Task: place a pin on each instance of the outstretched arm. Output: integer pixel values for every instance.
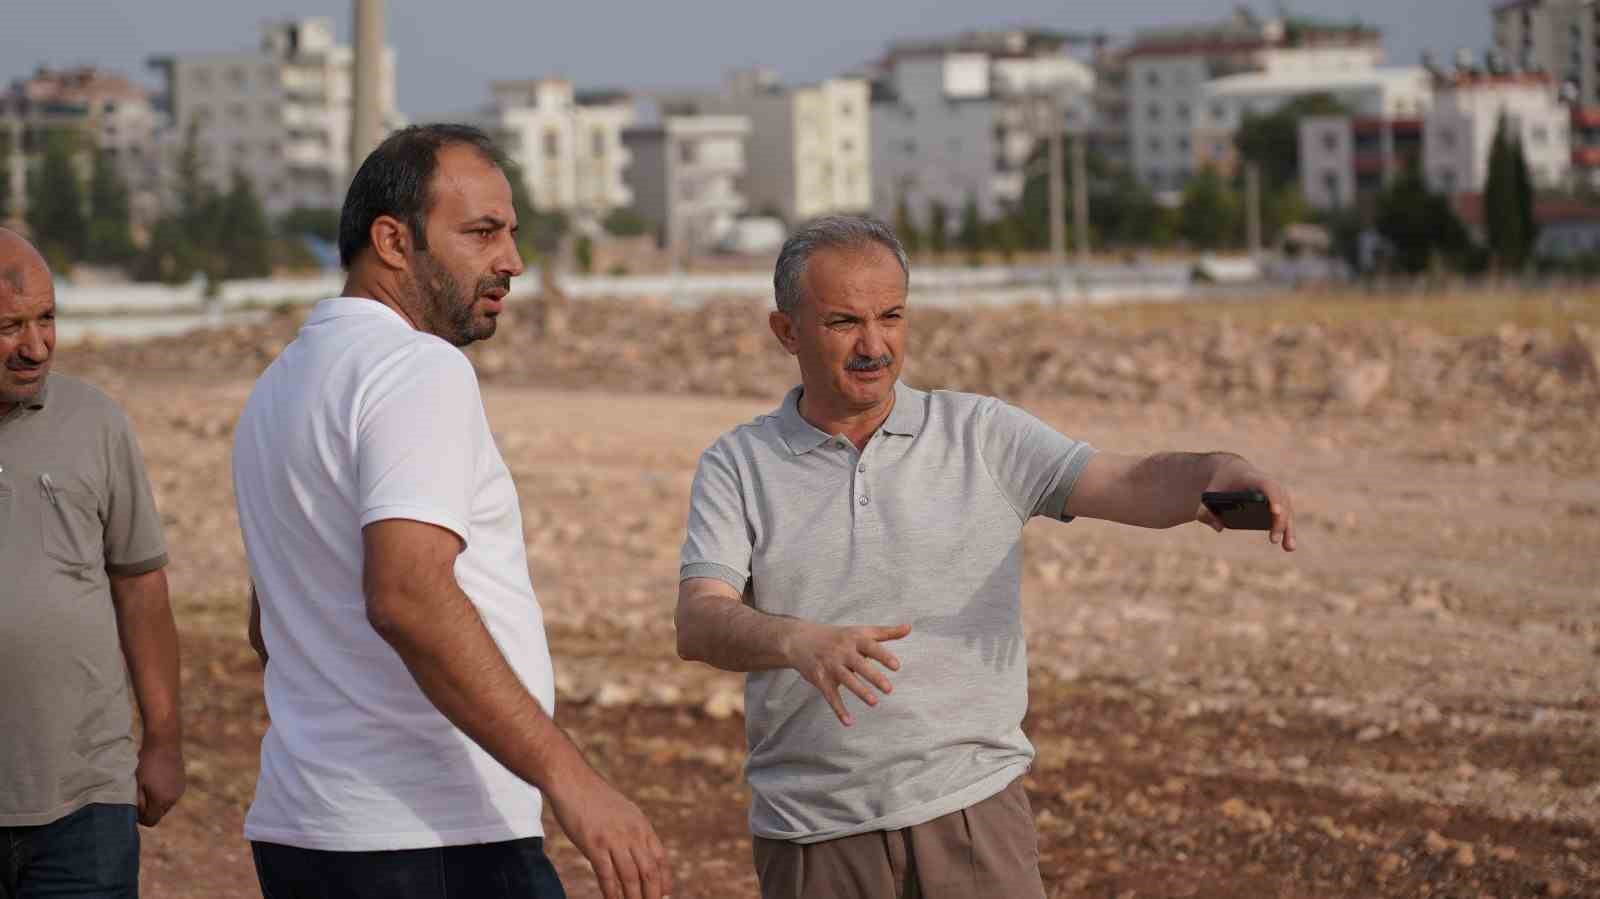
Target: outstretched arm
(716, 627)
(1163, 490)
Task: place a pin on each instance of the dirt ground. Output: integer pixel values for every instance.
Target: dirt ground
(1409, 706)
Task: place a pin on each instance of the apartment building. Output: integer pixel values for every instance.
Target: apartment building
(1346, 160)
(1370, 95)
(568, 144)
(958, 118)
(280, 114)
(685, 176)
(117, 116)
(809, 146)
(1467, 109)
(1558, 37)
(1188, 87)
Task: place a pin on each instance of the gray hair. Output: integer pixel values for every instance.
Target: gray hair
(842, 232)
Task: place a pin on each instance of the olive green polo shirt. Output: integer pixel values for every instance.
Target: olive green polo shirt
(75, 509)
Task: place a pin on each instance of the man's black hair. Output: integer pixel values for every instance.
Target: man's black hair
(394, 181)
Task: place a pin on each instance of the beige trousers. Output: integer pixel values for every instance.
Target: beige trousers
(988, 849)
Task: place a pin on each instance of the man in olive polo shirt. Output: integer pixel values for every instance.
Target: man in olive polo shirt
(862, 514)
(83, 611)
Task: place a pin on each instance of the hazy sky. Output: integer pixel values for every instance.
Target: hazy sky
(449, 51)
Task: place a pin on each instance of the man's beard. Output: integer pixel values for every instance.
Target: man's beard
(447, 307)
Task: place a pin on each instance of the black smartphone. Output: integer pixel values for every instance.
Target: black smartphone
(1243, 510)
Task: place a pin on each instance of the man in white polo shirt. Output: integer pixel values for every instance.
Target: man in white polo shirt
(865, 528)
(407, 674)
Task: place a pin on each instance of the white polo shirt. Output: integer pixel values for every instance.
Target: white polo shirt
(361, 419)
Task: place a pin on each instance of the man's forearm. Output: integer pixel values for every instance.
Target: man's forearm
(458, 666)
(1165, 488)
(725, 633)
(149, 641)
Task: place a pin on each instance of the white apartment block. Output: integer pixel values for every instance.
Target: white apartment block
(1224, 104)
(115, 114)
(1467, 110)
(1346, 160)
(685, 177)
(809, 147)
(1558, 37)
(958, 119)
(567, 144)
(279, 114)
(1187, 88)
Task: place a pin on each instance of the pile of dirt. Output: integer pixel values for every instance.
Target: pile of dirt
(1536, 392)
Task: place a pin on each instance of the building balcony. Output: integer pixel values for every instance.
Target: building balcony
(1585, 117)
(1586, 157)
(1370, 163)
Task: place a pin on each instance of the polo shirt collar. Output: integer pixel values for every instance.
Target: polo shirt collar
(33, 405)
(905, 419)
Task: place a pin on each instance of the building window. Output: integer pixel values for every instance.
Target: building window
(686, 152)
(597, 142)
(1219, 112)
(1538, 134)
(847, 146)
(1447, 180)
(1330, 183)
(1155, 145)
(552, 144)
(1183, 112)
(241, 150)
(845, 108)
(237, 78)
(1154, 112)
(1446, 138)
(1183, 145)
(238, 114)
(1153, 78)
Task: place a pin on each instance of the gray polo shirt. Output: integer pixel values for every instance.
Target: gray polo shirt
(923, 526)
(75, 508)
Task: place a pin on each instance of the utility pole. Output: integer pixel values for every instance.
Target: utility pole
(1058, 205)
(1252, 182)
(1080, 200)
(16, 173)
(366, 112)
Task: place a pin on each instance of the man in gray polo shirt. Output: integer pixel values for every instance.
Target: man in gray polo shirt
(862, 514)
(83, 611)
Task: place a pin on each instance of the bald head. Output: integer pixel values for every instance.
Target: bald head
(27, 320)
(21, 265)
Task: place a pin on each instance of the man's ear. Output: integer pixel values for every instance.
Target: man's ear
(392, 242)
(782, 324)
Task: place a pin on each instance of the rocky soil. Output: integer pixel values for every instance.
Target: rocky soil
(1410, 706)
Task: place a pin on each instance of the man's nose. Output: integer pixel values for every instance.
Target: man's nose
(34, 348)
(871, 343)
(509, 262)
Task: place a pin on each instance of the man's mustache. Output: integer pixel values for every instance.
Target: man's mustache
(869, 363)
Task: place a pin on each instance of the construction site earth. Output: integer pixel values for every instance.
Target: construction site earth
(1408, 706)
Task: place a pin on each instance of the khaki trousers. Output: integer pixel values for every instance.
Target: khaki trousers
(988, 849)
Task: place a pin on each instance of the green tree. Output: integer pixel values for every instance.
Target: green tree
(938, 226)
(1272, 141)
(56, 206)
(110, 216)
(319, 223)
(626, 223)
(971, 234)
(1419, 225)
(244, 239)
(522, 201)
(583, 253)
(5, 175)
(183, 242)
(1121, 210)
(904, 227)
(1508, 203)
(1210, 214)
